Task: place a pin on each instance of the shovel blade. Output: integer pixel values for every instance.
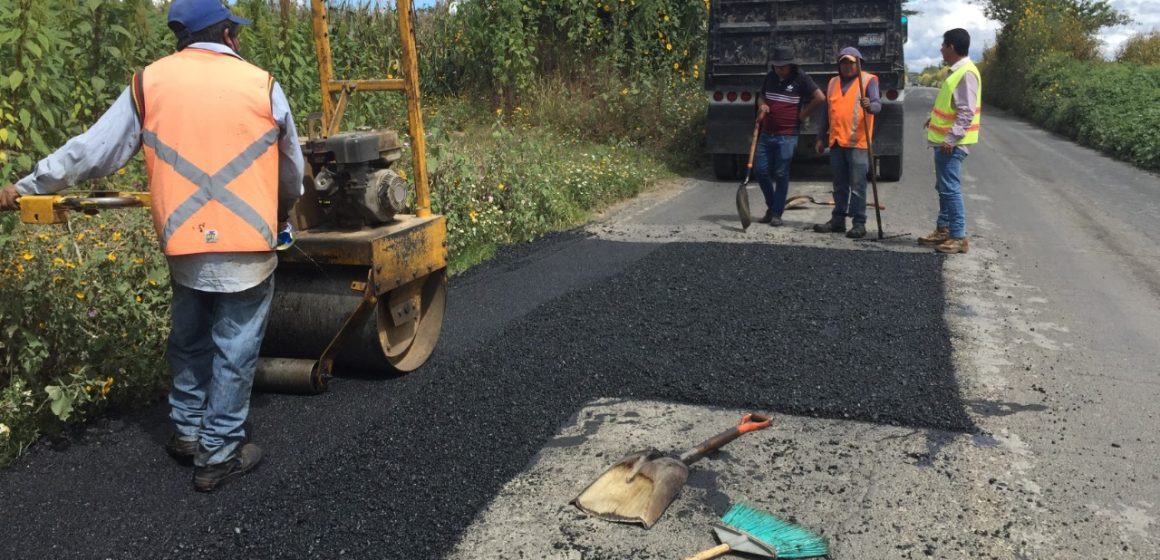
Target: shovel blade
(743, 205)
(638, 489)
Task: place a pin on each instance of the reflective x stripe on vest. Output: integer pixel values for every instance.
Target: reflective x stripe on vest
(211, 149)
(943, 114)
(212, 187)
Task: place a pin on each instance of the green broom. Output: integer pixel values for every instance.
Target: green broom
(745, 529)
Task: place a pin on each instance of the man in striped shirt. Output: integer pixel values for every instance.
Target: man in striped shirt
(787, 99)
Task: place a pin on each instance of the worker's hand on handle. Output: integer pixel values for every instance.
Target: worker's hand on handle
(762, 110)
(866, 102)
(9, 197)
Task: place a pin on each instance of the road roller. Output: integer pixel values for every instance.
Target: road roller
(364, 285)
(362, 288)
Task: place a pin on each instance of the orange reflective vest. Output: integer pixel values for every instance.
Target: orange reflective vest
(211, 151)
(847, 126)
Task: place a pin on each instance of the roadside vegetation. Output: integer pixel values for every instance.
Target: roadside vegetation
(537, 114)
(1046, 66)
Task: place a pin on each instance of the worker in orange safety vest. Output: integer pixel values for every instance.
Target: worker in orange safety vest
(225, 168)
(846, 130)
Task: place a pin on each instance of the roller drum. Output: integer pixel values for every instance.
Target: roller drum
(312, 303)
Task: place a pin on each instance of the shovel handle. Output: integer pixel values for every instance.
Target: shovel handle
(714, 552)
(749, 423)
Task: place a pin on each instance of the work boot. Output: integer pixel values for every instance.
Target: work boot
(936, 237)
(182, 450)
(835, 225)
(775, 221)
(206, 479)
(857, 232)
(766, 218)
(952, 246)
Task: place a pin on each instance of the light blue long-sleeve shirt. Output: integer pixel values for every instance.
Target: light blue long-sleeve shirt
(116, 137)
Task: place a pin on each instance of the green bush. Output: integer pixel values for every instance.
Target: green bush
(1113, 107)
(1141, 48)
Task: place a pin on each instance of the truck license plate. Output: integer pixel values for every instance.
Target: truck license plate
(872, 40)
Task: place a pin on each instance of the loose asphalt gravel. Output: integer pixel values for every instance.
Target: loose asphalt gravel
(398, 468)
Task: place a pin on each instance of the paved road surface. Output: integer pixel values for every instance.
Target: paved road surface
(999, 404)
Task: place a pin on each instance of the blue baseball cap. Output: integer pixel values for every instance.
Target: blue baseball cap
(851, 53)
(191, 16)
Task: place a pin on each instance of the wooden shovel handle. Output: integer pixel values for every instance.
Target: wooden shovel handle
(710, 553)
(753, 144)
(749, 422)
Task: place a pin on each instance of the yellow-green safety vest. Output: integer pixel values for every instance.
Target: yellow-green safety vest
(942, 116)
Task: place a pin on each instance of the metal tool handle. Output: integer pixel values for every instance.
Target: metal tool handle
(870, 155)
(749, 423)
(714, 552)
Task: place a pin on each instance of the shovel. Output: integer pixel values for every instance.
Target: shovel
(742, 192)
(640, 487)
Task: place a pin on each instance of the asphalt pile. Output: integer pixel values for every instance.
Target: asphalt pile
(398, 468)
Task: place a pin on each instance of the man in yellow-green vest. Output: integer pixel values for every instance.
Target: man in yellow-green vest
(952, 127)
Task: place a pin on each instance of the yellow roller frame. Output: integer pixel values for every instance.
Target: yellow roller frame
(53, 209)
(336, 93)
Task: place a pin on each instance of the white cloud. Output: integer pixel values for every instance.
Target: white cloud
(937, 16)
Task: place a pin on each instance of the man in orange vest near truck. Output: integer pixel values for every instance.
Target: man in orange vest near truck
(953, 125)
(225, 168)
(846, 130)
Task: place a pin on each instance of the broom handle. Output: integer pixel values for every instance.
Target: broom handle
(711, 553)
(749, 423)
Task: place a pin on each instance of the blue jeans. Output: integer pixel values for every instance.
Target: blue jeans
(850, 166)
(213, 353)
(772, 164)
(952, 214)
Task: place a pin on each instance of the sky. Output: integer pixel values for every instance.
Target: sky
(937, 16)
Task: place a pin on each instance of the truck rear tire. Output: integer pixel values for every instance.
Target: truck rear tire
(890, 168)
(725, 166)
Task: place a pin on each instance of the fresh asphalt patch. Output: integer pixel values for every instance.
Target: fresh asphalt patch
(400, 468)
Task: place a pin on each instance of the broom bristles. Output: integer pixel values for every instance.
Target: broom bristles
(790, 541)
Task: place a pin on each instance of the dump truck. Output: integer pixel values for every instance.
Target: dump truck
(742, 38)
(363, 287)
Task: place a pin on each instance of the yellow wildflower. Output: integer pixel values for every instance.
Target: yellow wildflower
(121, 171)
(81, 296)
(4, 431)
(501, 187)
(472, 215)
(20, 269)
(668, 46)
(116, 235)
(676, 66)
(106, 386)
(112, 257)
(57, 261)
(28, 256)
(81, 236)
(138, 260)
